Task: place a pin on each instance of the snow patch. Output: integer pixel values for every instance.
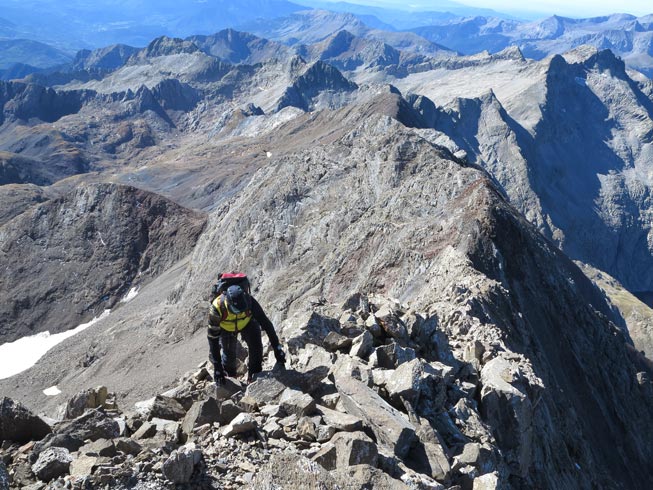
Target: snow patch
(52, 391)
(18, 356)
(133, 292)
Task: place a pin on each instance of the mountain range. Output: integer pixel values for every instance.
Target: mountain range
(456, 241)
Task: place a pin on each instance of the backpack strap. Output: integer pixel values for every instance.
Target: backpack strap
(223, 307)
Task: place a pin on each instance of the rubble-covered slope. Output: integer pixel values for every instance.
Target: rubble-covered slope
(66, 260)
(384, 211)
(497, 340)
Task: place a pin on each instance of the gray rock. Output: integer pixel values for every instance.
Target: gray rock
(18, 424)
(391, 355)
(297, 403)
(489, 481)
(389, 426)
(508, 410)
(52, 463)
(273, 429)
(335, 342)
(166, 408)
(391, 323)
(339, 420)
(354, 448)
(308, 328)
(474, 454)
(307, 428)
(362, 346)
(272, 411)
(80, 402)
(202, 412)
(179, 467)
(145, 431)
(128, 446)
(101, 447)
(244, 422)
(292, 472)
(325, 433)
(265, 390)
(228, 411)
(92, 425)
(429, 455)
(417, 381)
(366, 476)
(170, 428)
(83, 466)
(327, 457)
(228, 389)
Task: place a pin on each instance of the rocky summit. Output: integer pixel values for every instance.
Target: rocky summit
(449, 248)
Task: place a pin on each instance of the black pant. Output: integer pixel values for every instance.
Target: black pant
(251, 334)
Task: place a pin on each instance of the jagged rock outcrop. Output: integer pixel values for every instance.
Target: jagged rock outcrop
(316, 79)
(109, 58)
(68, 259)
(240, 47)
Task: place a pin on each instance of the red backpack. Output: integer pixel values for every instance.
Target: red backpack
(226, 279)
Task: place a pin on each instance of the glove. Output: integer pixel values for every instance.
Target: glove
(280, 355)
(219, 378)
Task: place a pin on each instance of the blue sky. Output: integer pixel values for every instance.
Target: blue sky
(572, 8)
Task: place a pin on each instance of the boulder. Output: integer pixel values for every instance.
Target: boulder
(489, 481)
(506, 407)
(390, 323)
(292, 472)
(307, 428)
(327, 457)
(308, 328)
(128, 446)
(166, 408)
(179, 466)
(417, 381)
(170, 428)
(101, 447)
(230, 387)
(52, 463)
(325, 433)
(428, 454)
(83, 466)
(335, 342)
(145, 431)
(391, 355)
(367, 476)
(202, 412)
(92, 425)
(474, 454)
(244, 422)
(390, 427)
(89, 399)
(362, 346)
(340, 421)
(296, 402)
(273, 429)
(354, 448)
(265, 390)
(18, 424)
(229, 410)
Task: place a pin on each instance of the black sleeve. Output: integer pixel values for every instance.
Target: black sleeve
(213, 336)
(260, 316)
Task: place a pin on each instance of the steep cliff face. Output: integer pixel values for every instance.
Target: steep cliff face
(66, 260)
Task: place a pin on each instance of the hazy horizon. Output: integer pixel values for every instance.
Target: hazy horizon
(577, 8)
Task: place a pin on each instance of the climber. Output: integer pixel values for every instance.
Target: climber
(232, 312)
